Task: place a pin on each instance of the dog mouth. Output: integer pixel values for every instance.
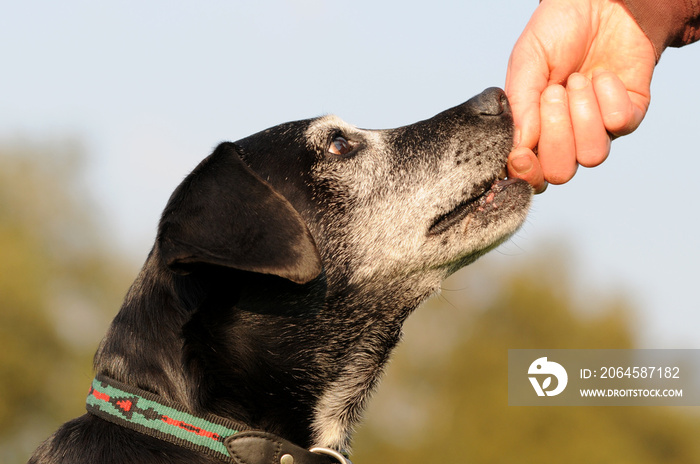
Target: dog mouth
(483, 200)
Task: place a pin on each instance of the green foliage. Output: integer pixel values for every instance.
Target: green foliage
(445, 398)
(58, 289)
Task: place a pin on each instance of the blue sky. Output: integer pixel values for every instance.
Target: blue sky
(152, 87)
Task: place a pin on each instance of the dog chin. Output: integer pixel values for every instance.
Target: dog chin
(486, 223)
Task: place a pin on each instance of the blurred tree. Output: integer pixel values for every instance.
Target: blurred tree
(445, 398)
(58, 290)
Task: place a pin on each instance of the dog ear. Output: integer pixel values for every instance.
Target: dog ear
(224, 214)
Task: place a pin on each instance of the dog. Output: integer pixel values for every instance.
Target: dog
(283, 269)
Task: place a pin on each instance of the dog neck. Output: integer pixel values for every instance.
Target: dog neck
(298, 361)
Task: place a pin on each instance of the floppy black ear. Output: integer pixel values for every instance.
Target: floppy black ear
(224, 214)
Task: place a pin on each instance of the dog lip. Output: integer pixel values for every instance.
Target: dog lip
(477, 202)
(459, 212)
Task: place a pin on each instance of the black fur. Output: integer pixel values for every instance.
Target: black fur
(281, 275)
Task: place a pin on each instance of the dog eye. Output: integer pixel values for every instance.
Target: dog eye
(340, 146)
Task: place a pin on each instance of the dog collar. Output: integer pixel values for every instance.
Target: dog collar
(215, 436)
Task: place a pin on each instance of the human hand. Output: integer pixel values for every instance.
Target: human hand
(578, 76)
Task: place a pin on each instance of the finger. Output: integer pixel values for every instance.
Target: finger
(526, 78)
(592, 142)
(556, 148)
(620, 115)
(523, 164)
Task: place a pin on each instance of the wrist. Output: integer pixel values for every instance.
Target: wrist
(665, 22)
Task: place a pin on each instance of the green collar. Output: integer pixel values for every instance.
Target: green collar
(152, 415)
(215, 436)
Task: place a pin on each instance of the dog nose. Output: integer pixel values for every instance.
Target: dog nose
(491, 102)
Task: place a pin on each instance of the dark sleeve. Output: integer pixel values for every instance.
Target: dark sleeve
(667, 23)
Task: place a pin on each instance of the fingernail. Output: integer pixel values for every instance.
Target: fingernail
(521, 164)
(554, 94)
(577, 82)
(516, 137)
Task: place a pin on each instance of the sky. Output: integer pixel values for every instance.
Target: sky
(151, 87)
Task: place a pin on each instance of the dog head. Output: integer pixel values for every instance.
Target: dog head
(364, 205)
